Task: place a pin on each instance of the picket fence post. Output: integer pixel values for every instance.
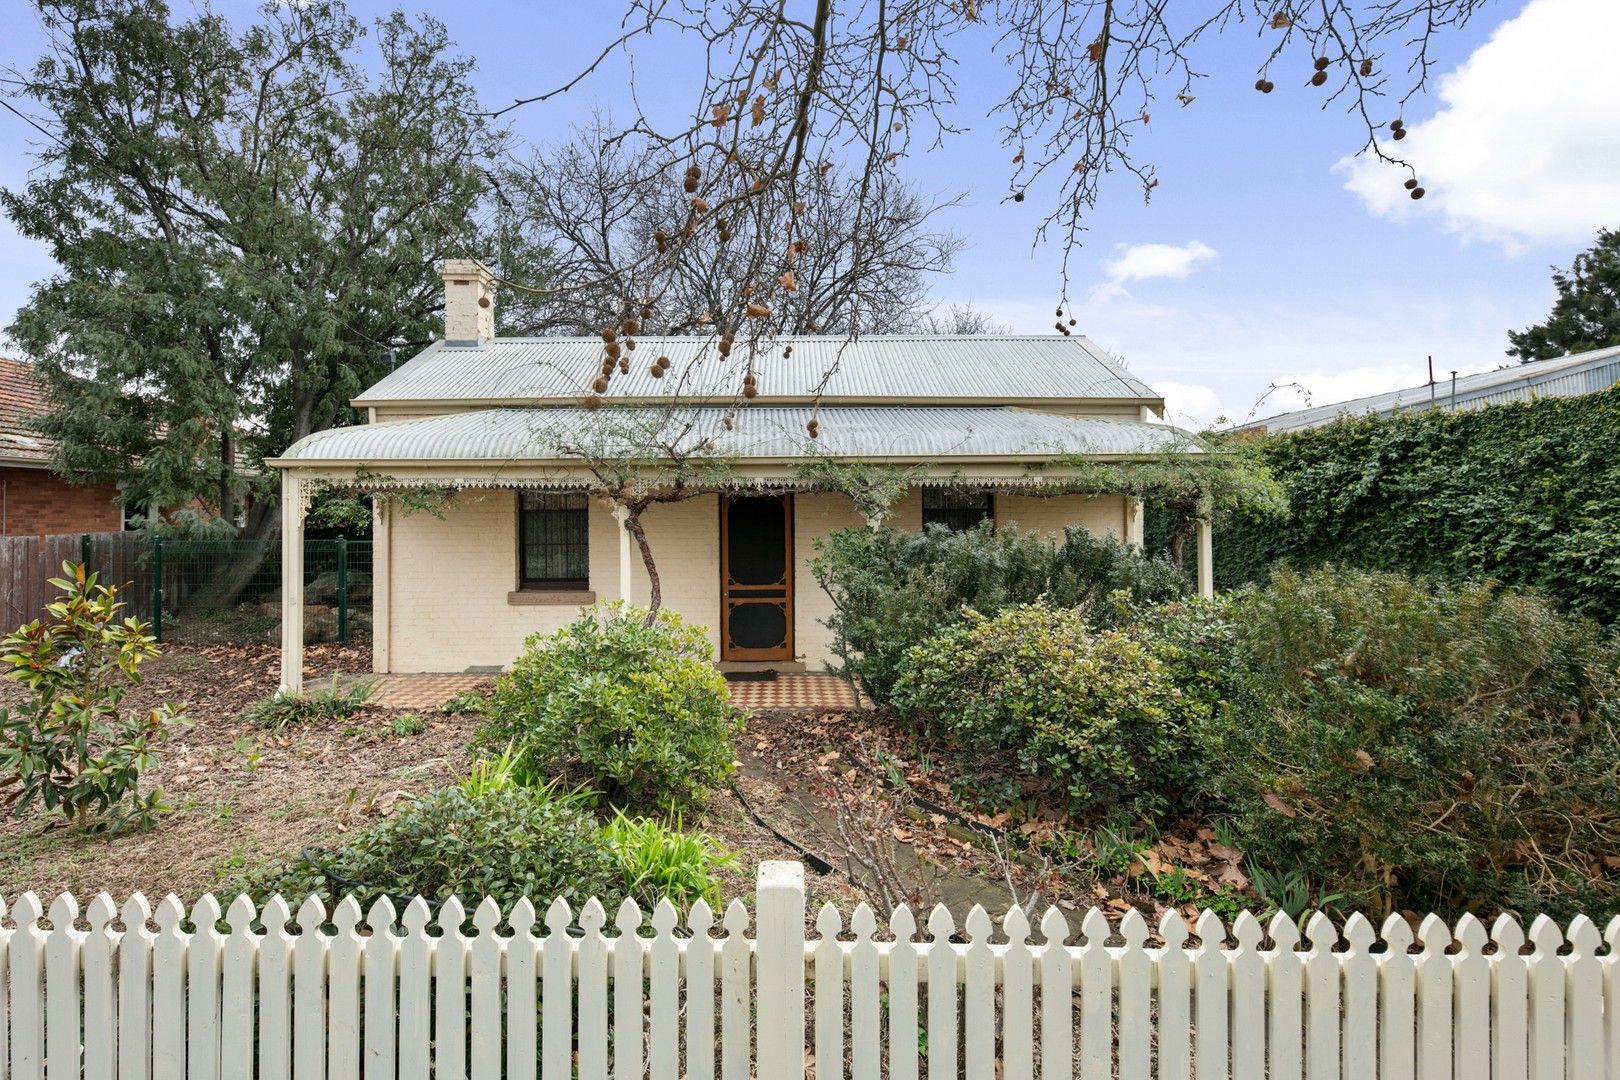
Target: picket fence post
(779, 969)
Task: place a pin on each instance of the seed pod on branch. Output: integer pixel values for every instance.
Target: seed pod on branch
(1322, 62)
(787, 281)
(1366, 68)
(1319, 78)
(700, 205)
(758, 311)
(591, 402)
(599, 385)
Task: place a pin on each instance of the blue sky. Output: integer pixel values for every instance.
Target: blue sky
(1265, 257)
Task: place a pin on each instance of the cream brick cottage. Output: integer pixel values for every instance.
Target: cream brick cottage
(982, 427)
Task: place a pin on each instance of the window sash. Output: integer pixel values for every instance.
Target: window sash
(955, 509)
(553, 539)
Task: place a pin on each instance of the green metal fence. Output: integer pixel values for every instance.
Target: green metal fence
(206, 591)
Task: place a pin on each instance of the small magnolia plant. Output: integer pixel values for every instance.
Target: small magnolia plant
(70, 747)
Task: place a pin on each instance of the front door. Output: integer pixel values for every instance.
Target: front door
(756, 577)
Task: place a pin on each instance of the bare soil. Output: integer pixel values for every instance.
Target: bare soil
(243, 796)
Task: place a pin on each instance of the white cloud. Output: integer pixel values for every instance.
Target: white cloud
(1526, 145)
(1136, 262)
(1190, 405)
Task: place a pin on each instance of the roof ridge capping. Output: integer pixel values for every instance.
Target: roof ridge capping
(902, 368)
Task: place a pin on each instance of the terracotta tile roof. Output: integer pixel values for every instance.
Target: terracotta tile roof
(22, 399)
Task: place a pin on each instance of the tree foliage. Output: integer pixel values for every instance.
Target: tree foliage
(244, 224)
(1586, 314)
(1525, 493)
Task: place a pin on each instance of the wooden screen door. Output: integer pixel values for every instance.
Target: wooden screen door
(756, 577)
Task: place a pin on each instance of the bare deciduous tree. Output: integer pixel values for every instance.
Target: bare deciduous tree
(596, 202)
(783, 92)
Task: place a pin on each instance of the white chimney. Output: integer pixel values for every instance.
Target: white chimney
(469, 302)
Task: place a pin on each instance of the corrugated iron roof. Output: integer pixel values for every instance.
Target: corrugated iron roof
(1565, 376)
(947, 369)
(759, 432)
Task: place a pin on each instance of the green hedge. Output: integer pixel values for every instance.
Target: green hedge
(1525, 493)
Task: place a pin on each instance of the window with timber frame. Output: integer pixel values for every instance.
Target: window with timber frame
(956, 509)
(554, 540)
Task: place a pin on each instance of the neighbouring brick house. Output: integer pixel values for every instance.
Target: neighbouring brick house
(34, 501)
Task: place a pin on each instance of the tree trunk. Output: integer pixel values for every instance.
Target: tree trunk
(1179, 535)
(226, 584)
(655, 592)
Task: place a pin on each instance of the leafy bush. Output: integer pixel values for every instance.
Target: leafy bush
(503, 840)
(658, 860)
(1525, 493)
(638, 710)
(1424, 746)
(1091, 717)
(280, 711)
(70, 747)
(463, 701)
(893, 590)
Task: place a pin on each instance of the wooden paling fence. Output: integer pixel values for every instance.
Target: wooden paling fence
(314, 994)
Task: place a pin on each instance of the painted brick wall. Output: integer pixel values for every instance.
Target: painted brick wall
(37, 502)
(1103, 514)
(449, 604)
(452, 578)
(815, 514)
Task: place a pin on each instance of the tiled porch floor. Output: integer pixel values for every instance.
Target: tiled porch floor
(791, 691)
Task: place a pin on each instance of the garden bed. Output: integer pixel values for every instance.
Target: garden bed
(243, 797)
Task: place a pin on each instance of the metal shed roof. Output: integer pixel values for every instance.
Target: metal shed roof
(946, 369)
(1566, 376)
(758, 432)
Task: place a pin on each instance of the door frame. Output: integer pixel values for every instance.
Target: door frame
(786, 652)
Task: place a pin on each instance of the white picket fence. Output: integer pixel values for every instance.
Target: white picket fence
(374, 996)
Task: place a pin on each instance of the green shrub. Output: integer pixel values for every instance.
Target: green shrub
(504, 841)
(280, 711)
(658, 860)
(463, 701)
(638, 711)
(406, 725)
(893, 590)
(1089, 717)
(1422, 746)
(69, 747)
(1525, 493)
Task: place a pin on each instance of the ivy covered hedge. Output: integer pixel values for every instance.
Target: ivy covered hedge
(1525, 493)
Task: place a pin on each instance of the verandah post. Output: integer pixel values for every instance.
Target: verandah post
(779, 969)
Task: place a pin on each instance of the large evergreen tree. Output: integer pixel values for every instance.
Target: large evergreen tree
(245, 225)
(1586, 314)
